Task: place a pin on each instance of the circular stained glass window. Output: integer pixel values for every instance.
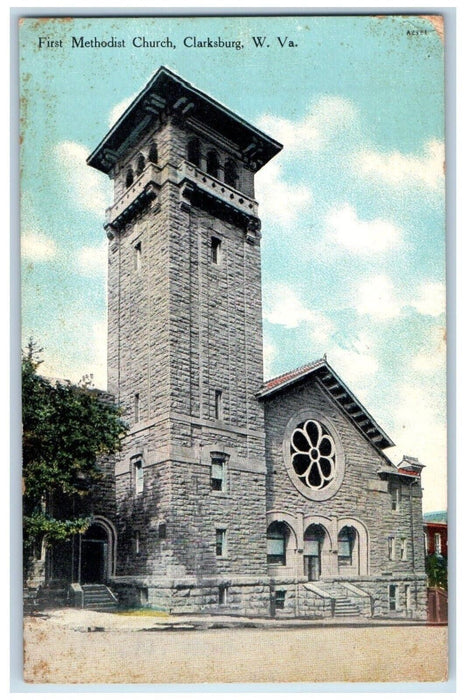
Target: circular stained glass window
(313, 455)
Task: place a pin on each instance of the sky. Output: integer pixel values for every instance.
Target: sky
(352, 209)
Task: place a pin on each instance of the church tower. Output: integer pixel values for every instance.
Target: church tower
(185, 347)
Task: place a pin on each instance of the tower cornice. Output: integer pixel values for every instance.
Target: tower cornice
(167, 93)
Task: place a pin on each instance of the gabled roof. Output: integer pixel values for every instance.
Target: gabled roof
(338, 391)
(166, 90)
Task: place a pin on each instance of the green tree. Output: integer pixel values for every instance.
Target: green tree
(66, 429)
(437, 571)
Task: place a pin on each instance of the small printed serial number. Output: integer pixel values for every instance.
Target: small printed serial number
(416, 32)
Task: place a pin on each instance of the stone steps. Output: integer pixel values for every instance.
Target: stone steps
(99, 597)
(345, 608)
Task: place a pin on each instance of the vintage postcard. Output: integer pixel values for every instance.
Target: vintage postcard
(234, 360)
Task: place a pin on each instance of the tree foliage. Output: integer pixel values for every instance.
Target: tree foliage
(437, 571)
(66, 428)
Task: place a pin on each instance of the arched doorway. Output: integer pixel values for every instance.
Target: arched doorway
(314, 538)
(94, 555)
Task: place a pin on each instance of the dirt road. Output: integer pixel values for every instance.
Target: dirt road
(56, 654)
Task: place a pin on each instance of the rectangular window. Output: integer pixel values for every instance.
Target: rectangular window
(218, 412)
(136, 408)
(437, 543)
(403, 550)
(408, 596)
(217, 474)
(391, 548)
(393, 597)
(220, 542)
(162, 531)
(426, 544)
(138, 472)
(137, 256)
(222, 595)
(137, 542)
(215, 248)
(395, 494)
(280, 600)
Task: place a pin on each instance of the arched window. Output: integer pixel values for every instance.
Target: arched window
(231, 174)
(141, 164)
(194, 152)
(277, 537)
(129, 177)
(346, 540)
(212, 163)
(153, 153)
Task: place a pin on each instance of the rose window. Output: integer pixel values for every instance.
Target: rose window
(313, 455)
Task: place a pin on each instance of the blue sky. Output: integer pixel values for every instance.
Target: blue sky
(352, 209)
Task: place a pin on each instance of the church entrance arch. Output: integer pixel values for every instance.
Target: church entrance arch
(97, 552)
(314, 539)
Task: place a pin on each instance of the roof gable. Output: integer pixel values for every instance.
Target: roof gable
(334, 386)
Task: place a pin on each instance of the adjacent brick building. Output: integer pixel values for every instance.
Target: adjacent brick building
(231, 494)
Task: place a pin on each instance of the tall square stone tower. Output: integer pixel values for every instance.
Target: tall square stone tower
(185, 345)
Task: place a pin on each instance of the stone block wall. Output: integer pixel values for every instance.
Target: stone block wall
(362, 495)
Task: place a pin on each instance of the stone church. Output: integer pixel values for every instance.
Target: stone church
(231, 495)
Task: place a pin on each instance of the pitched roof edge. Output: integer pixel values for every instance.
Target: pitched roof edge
(288, 379)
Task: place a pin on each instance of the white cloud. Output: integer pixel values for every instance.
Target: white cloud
(430, 300)
(279, 200)
(92, 260)
(118, 109)
(432, 357)
(37, 247)
(88, 188)
(327, 117)
(400, 170)
(284, 308)
(270, 353)
(344, 228)
(356, 363)
(375, 297)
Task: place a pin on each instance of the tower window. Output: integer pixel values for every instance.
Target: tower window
(129, 177)
(393, 602)
(218, 404)
(217, 474)
(141, 164)
(220, 542)
(137, 256)
(231, 174)
(138, 475)
(212, 164)
(194, 152)
(162, 531)
(153, 153)
(403, 550)
(137, 542)
(136, 408)
(408, 601)
(391, 548)
(222, 595)
(215, 248)
(395, 498)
